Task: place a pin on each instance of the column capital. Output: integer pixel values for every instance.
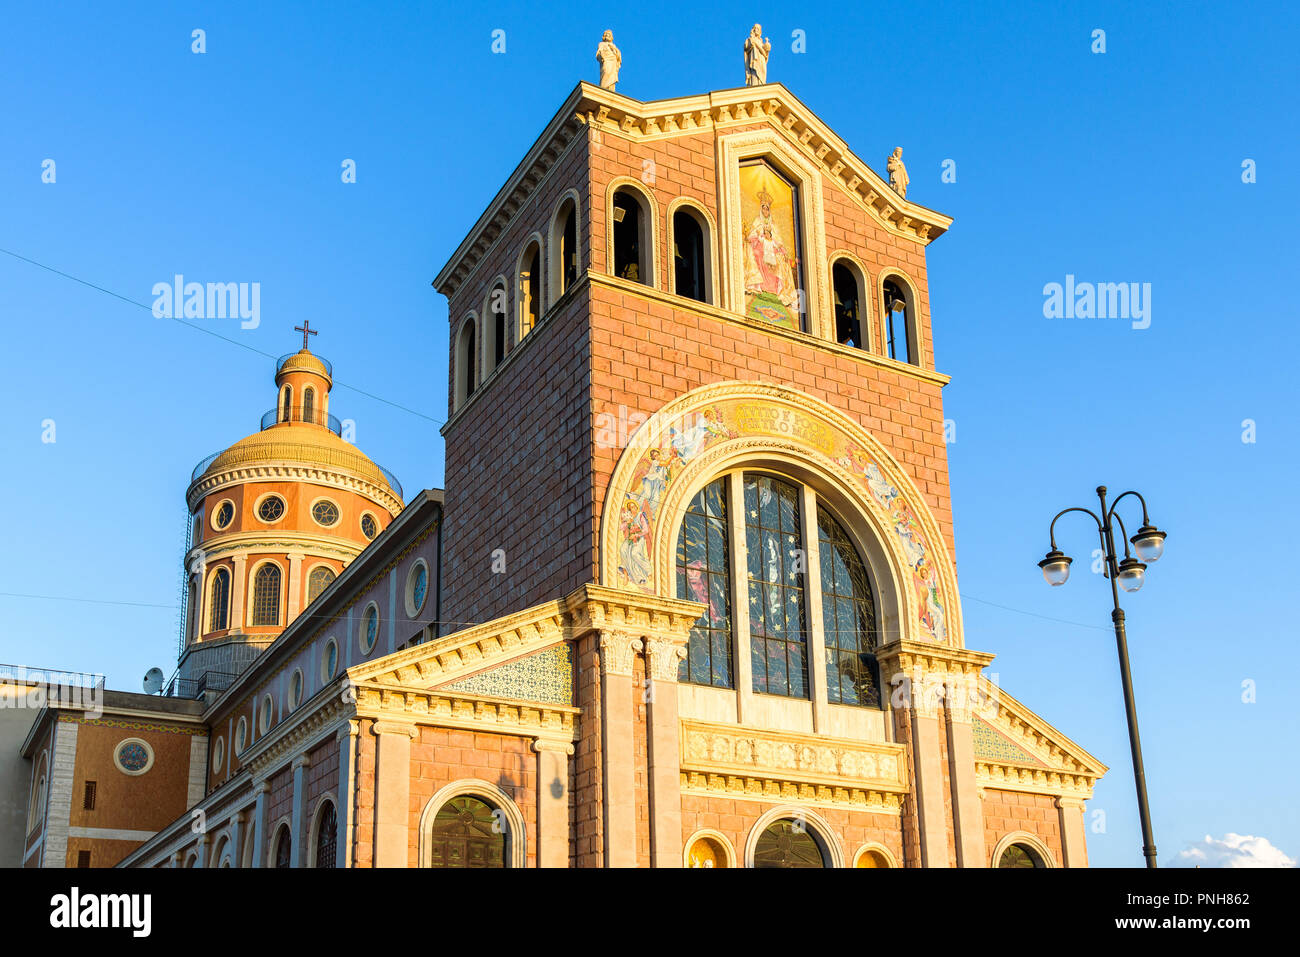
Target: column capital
(662, 656)
(349, 729)
(618, 650)
(1064, 802)
(560, 747)
(302, 761)
(394, 727)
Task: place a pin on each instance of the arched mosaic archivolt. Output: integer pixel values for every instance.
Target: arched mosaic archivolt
(726, 425)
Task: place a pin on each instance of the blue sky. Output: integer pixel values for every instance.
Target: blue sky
(1124, 166)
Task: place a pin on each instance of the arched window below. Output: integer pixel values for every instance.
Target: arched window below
(318, 581)
(309, 405)
(467, 832)
(690, 256)
(899, 319)
(848, 306)
(631, 239)
(1020, 855)
(219, 617)
(327, 828)
(529, 293)
(286, 404)
(266, 595)
(563, 249)
(789, 843)
(283, 847)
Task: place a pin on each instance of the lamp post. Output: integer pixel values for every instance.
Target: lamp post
(1129, 574)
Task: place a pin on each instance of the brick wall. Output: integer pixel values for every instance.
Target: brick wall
(1008, 811)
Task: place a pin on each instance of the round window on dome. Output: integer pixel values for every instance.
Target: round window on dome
(369, 527)
(224, 515)
(325, 513)
(271, 509)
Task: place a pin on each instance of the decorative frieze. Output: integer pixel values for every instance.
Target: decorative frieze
(792, 758)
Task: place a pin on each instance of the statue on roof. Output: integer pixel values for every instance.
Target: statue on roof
(610, 59)
(897, 172)
(757, 50)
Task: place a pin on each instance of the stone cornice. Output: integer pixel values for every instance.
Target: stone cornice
(1016, 777)
(470, 649)
(445, 709)
(209, 483)
(595, 607)
(314, 722)
(598, 109)
(760, 788)
(1036, 736)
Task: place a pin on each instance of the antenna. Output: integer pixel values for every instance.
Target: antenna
(153, 681)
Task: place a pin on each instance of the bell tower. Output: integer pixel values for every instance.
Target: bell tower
(274, 519)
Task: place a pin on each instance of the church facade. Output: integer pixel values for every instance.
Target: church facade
(688, 598)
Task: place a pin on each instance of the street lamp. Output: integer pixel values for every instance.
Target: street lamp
(1129, 574)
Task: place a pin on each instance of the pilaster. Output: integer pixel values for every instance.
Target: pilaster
(663, 738)
(552, 802)
(392, 792)
(1074, 849)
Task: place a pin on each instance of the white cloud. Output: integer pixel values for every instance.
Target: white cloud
(1233, 850)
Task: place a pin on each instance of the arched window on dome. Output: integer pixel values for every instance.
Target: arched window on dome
(309, 405)
(286, 405)
(219, 601)
(266, 595)
(318, 581)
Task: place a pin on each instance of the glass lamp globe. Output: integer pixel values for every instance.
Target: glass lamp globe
(1056, 567)
(1132, 574)
(1149, 543)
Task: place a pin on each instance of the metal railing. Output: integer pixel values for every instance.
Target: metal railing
(179, 687)
(279, 363)
(295, 415)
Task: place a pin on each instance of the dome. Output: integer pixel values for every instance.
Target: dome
(303, 444)
(303, 361)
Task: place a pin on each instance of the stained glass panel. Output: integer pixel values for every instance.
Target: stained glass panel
(703, 575)
(848, 618)
(777, 622)
(467, 832)
(788, 843)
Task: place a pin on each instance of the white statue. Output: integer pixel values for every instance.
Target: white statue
(757, 48)
(897, 172)
(610, 59)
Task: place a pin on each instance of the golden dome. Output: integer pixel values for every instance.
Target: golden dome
(304, 361)
(300, 443)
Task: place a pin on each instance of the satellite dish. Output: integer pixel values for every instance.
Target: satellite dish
(153, 681)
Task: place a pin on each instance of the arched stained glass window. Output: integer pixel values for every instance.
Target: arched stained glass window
(777, 620)
(848, 617)
(788, 843)
(266, 595)
(1020, 855)
(284, 848)
(219, 617)
(318, 581)
(703, 575)
(309, 405)
(468, 832)
(327, 830)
